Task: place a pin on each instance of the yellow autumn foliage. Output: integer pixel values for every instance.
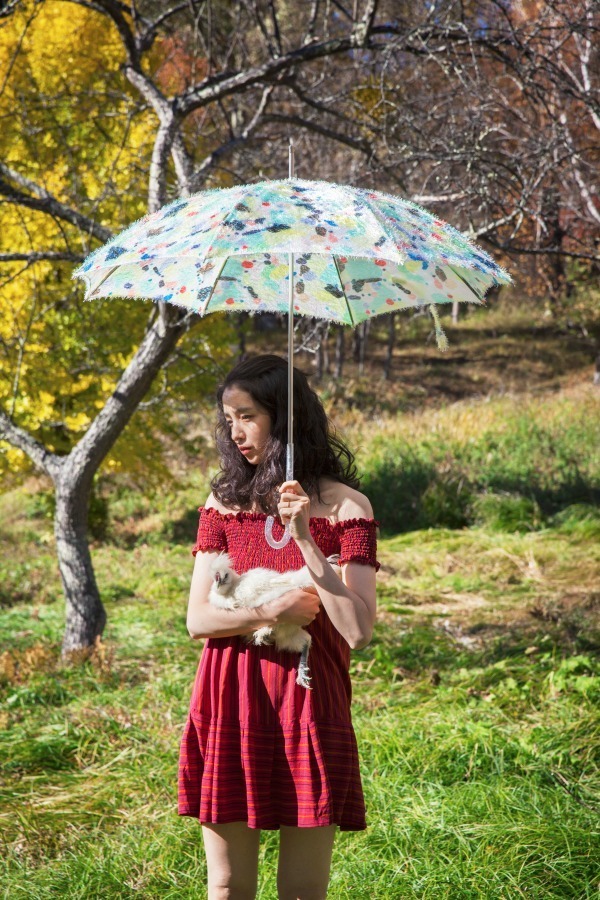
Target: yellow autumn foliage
(75, 127)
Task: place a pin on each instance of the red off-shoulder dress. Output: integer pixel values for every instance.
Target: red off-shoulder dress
(257, 747)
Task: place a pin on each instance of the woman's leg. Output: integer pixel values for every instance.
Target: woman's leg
(232, 860)
(304, 862)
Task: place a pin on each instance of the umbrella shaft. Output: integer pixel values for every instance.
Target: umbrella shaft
(289, 466)
(290, 445)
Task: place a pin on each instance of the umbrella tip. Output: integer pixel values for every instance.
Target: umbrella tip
(442, 340)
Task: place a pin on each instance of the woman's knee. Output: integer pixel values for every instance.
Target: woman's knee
(304, 862)
(305, 890)
(232, 861)
(227, 888)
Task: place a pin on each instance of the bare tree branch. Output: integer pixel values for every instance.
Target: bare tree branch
(43, 201)
(39, 255)
(119, 13)
(146, 38)
(310, 31)
(362, 29)
(217, 88)
(44, 460)
(227, 148)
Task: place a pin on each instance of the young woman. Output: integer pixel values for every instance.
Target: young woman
(260, 751)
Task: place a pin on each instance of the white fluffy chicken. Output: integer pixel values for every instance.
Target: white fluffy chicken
(257, 586)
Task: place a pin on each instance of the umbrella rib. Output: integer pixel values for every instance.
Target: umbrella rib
(212, 293)
(352, 322)
(101, 282)
(383, 224)
(246, 191)
(464, 281)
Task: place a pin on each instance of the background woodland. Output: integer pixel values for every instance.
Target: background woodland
(476, 704)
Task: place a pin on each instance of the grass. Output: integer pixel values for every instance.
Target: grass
(475, 711)
(475, 705)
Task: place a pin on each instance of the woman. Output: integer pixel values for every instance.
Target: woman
(260, 751)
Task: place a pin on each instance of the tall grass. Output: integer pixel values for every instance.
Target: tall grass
(475, 705)
(485, 785)
(501, 463)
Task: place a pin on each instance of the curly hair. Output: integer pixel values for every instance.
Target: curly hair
(318, 451)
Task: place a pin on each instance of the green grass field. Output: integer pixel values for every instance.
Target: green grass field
(475, 706)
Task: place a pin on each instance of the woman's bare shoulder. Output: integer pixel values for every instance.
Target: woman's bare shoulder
(345, 502)
(355, 505)
(213, 503)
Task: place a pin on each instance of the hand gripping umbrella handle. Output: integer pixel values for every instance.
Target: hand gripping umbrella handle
(286, 536)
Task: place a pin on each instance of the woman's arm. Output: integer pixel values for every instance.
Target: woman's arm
(351, 602)
(205, 620)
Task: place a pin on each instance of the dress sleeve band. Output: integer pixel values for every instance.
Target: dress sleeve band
(358, 541)
(211, 532)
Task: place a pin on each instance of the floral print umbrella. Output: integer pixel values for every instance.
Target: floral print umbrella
(346, 254)
(358, 253)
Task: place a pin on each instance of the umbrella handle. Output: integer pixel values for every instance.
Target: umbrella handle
(271, 541)
(289, 460)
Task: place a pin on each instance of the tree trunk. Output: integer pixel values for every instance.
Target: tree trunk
(356, 343)
(387, 369)
(85, 614)
(242, 318)
(319, 361)
(339, 351)
(556, 276)
(325, 349)
(361, 334)
(73, 475)
(322, 355)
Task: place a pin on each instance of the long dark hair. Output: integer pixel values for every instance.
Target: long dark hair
(318, 451)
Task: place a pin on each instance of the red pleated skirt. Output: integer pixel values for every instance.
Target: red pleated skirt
(286, 769)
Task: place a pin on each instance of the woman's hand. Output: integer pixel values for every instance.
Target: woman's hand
(298, 606)
(294, 508)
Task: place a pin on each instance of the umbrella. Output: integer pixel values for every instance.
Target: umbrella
(346, 253)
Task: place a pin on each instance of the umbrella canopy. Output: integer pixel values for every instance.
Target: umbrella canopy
(358, 254)
(347, 254)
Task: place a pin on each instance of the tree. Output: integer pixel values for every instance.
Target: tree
(207, 94)
(444, 102)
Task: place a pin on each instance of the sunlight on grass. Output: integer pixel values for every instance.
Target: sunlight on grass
(475, 705)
